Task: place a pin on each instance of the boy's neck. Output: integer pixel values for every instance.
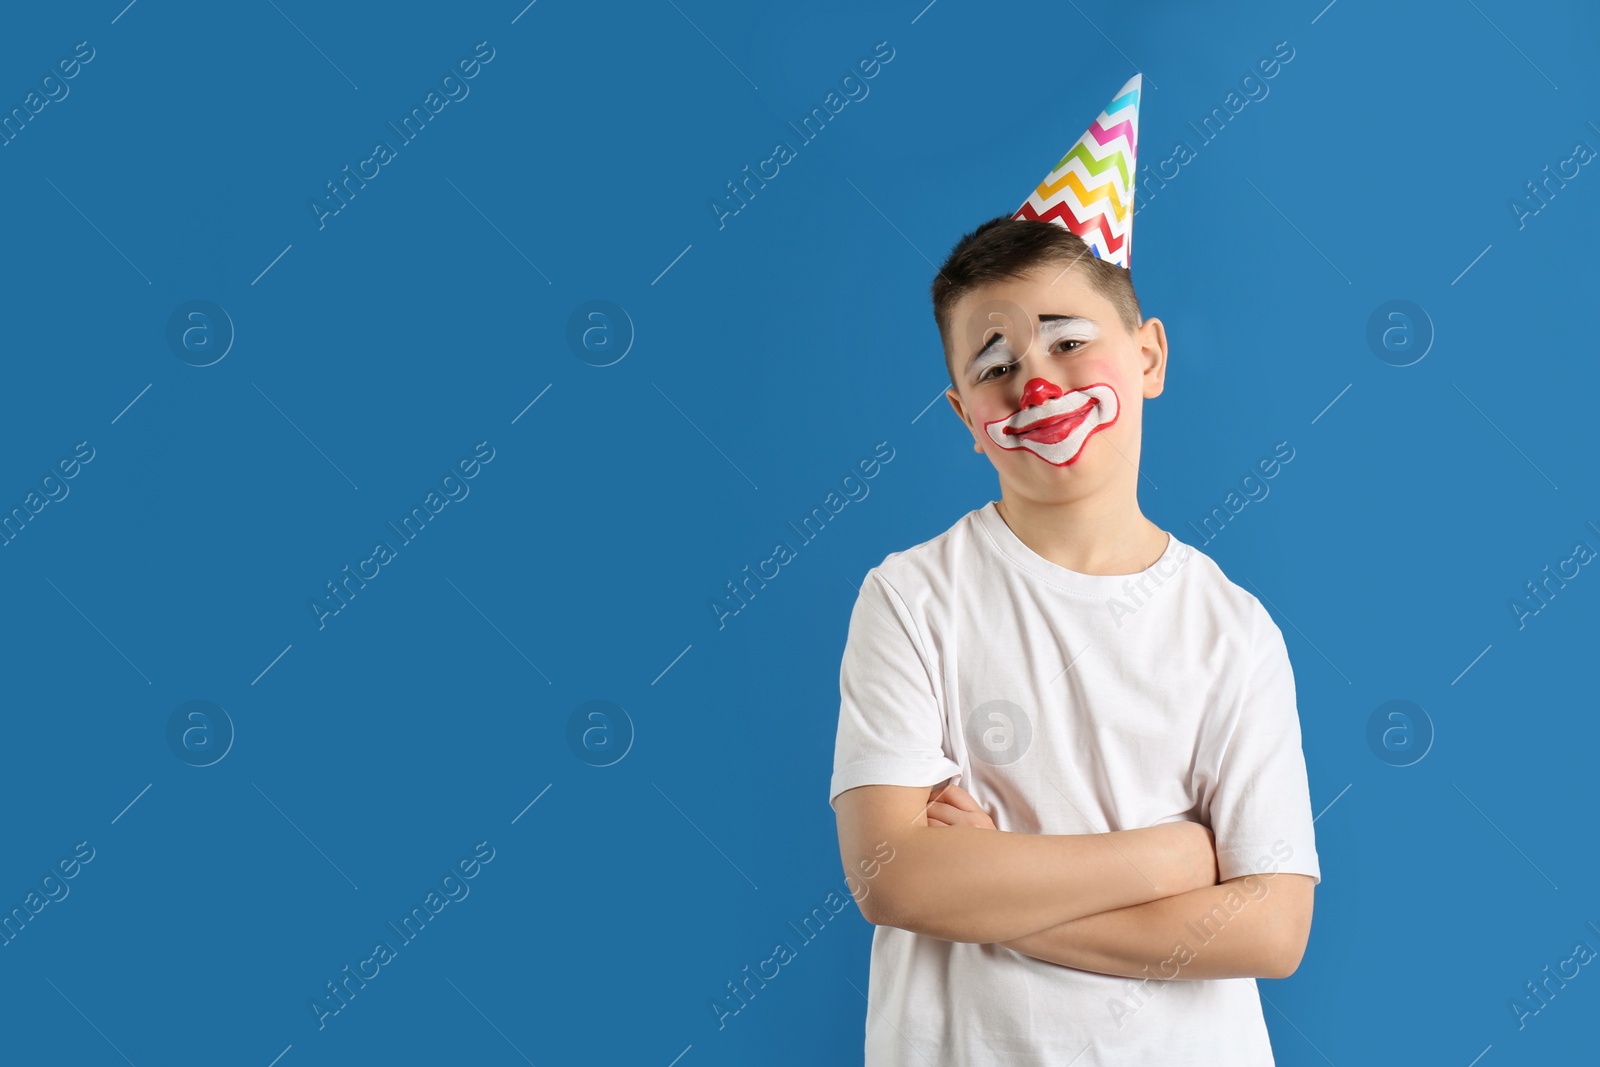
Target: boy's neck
(1091, 536)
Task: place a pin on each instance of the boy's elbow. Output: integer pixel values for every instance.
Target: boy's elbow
(886, 902)
(1288, 949)
(876, 823)
(871, 906)
(914, 912)
(880, 915)
(1287, 959)
(1294, 931)
(899, 901)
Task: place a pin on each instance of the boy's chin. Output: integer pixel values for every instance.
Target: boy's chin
(1027, 475)
(1029, 466)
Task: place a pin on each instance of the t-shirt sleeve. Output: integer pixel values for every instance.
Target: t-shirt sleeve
(891, 731)
(1259, 807)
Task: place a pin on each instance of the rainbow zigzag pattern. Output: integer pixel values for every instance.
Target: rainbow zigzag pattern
(1090, 191)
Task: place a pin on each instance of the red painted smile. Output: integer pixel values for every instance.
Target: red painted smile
(1052, 424)
(1049, 431)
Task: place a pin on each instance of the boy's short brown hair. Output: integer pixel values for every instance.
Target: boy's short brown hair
(1004, 248)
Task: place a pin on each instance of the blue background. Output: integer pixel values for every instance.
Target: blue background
(769, 354)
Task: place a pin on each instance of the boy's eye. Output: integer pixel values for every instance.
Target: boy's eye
(990, 373)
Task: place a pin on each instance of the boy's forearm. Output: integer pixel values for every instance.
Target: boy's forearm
(960, 883)
(1242, 928)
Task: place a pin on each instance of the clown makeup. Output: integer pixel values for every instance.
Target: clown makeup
(1054, 425)
(1053, 330)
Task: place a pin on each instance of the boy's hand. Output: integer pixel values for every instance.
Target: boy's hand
(953, 806)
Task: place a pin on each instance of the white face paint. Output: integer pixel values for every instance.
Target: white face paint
(1054, 429)
(1057, 429)
(1052, 331)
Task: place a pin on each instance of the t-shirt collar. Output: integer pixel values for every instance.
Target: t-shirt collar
(1005, 542)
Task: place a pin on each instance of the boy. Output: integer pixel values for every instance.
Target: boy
(1131, 844)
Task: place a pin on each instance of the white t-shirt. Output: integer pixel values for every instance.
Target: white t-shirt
(1069, 703)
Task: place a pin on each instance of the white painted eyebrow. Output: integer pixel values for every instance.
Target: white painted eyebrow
(1049, 326)
(1059, 323)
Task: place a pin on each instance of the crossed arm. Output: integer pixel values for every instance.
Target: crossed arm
(1250, 927)
(1141, 903)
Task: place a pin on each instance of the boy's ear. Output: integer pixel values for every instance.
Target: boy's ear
(1152, 338)
(955, 403)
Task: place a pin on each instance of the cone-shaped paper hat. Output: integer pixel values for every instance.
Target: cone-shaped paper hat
(1090, 191)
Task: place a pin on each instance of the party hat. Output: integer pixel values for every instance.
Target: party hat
(1090, 191)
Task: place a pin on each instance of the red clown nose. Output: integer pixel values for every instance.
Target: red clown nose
(1037, 391)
